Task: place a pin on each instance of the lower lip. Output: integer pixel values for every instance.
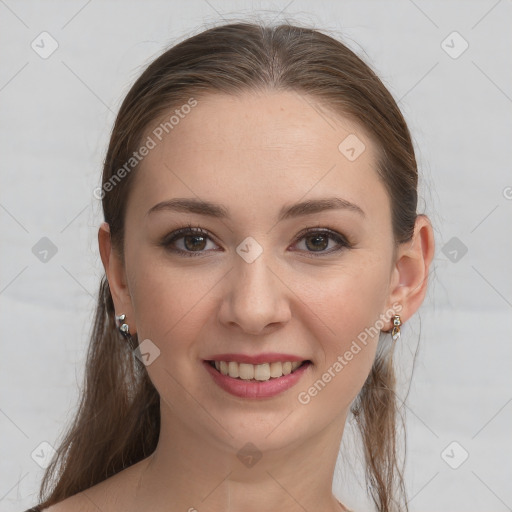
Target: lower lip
(253, 388)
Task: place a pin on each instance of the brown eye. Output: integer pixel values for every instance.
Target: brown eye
(189, 241)
(317, 242)
(195, 242)
(322, 242)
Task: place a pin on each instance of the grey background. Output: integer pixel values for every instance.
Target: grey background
(56, 116)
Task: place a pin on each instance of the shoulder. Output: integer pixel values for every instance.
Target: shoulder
(91, 500)
(76, 503)
(87, 501)
(109, 495)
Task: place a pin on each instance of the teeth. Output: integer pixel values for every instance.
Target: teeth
(246, 371)
(261, 372)
(233, 369)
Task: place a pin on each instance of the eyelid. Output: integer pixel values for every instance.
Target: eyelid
(320, 229)
(188, 230)
(341, 240)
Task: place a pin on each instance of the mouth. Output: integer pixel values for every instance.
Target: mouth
(257, 372)
(256, 381)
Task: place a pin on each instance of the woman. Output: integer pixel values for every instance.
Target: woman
(262, 248)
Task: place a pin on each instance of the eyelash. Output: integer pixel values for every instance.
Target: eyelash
(190, 230)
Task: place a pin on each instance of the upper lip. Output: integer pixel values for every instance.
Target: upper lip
(269, 357)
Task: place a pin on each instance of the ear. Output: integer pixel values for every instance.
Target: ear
(116, 275)
(410, 275)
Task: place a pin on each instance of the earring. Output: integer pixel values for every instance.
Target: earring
(395, 333)
(124, 329)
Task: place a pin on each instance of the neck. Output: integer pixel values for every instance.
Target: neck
(193, 472)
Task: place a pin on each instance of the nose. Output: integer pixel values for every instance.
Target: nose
(255, 300)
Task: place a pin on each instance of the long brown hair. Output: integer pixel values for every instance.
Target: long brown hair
(118, 419)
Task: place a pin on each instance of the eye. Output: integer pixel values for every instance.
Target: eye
(195, 241)
(189, 241)
(321, 241)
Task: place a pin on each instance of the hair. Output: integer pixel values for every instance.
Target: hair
(117, 422)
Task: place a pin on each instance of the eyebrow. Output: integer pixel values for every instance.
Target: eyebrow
(193, 205)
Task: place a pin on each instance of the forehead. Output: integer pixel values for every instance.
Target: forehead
(258, 147)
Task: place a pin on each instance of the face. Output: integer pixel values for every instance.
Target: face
(251, 279)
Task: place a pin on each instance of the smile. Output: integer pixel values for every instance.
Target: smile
(263, 380)
(259, 372)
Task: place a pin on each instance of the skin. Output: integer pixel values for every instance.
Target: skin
(254, 154)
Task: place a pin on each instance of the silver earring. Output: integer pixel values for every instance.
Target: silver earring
(124, 329)
(395, 333)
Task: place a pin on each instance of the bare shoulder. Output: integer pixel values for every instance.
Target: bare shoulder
(107, 496)
(76, 503)
(90, 500)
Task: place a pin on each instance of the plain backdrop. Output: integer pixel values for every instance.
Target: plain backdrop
(448, 65)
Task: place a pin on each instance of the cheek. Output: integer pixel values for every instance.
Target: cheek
(343, 312)
(346, 300)
(168, 299)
